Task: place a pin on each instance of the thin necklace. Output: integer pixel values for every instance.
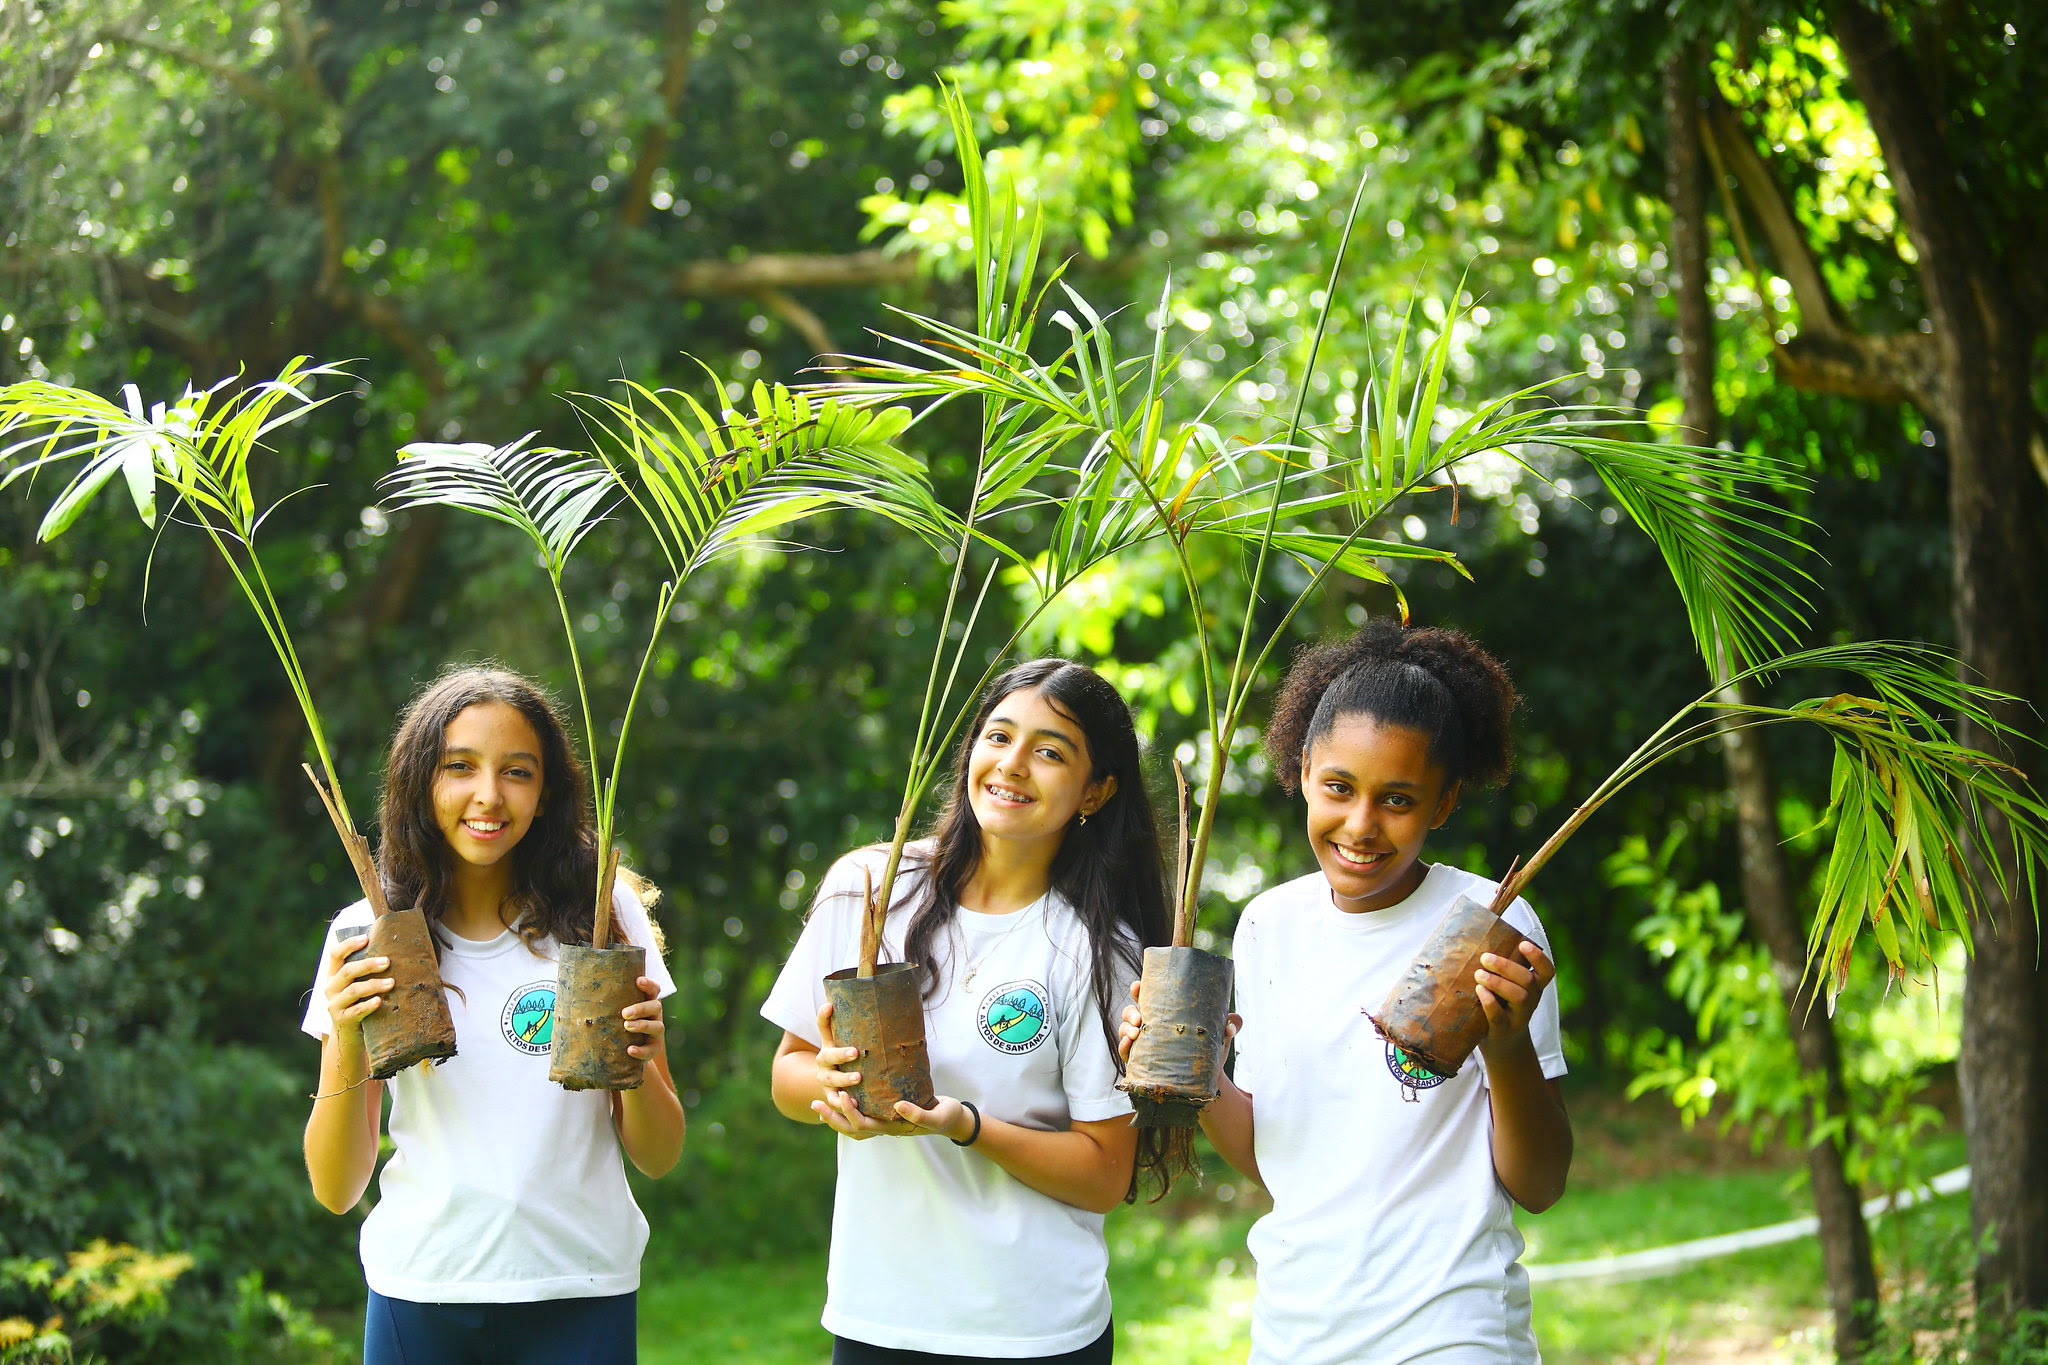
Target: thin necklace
(974, 964)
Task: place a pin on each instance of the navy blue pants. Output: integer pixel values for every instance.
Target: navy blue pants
(844, 1352)
(551, 1332)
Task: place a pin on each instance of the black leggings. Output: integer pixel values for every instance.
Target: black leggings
(844, 1352)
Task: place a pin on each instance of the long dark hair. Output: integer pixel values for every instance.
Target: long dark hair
(554, 868)
(1109, 869)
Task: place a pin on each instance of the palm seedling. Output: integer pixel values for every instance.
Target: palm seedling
(197, 452)
(704, 486)
(1904, 801)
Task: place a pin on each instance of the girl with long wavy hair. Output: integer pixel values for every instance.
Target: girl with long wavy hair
(974, 1229)
(503, 1229)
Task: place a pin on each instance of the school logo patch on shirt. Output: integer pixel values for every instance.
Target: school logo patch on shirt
(1013, 1017)
(528, 1022)
(1410, 1071)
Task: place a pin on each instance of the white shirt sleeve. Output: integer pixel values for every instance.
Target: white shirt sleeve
(1244, 955)
(629, 916)
(1087, 1062)
(356, 920)
(1544, 1032)
(829, 941)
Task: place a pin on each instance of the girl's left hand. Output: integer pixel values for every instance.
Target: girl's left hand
(1508, 991)
(947, 1118)
(645, 1019)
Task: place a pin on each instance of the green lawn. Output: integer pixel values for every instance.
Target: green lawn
(1183, 1284)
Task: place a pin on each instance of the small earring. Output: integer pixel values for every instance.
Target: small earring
(1084, 818)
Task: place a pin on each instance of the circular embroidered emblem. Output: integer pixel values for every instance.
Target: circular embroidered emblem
(1411, 1072)
(528, 1022)
(1013, 1017)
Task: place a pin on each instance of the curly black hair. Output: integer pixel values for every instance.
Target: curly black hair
(1442, 683)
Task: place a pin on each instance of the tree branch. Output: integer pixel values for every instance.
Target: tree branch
(752, 274)
(809, 324)
(240, 81)
(1733, 149)
(679, 46)
(1826, 355)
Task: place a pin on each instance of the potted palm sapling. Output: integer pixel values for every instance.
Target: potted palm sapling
(1904, 799)
(196, 452)
(704, 486)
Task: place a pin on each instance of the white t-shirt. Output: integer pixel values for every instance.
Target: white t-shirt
(503, 1187)
(934, 1247)
(1390, 1238)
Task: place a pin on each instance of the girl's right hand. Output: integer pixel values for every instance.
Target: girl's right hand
(353, 989)
(832, 1057)
(1127, 1027)
(837, 1110)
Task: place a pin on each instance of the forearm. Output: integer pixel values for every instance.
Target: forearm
(341, 1133)
(1088, 1166)
(794, 1084)
(1532, 1133)
(1227, 1122)
(650, 1121)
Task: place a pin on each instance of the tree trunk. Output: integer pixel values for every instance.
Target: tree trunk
(1998, 525)
(1766, 882)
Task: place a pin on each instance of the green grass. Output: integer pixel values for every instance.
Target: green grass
(1182, 1282)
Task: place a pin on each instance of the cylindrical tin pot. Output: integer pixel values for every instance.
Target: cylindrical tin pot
(883, 1016)
(412, 1024)
(592, 987)
(1433, 1013)
(1176, 1065)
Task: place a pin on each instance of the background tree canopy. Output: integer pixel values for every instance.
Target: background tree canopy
(492, 205)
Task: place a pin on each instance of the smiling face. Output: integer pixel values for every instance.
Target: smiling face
(1373, 796)
(488, 787)
(1029, 772)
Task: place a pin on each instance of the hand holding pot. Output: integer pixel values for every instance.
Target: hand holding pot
(837, 1110)
(353, 988)
(1508, 991)
(645, 1019)
(946, 1118)
(1132, 1021)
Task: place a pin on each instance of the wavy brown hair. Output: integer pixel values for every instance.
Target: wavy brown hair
(554, 867)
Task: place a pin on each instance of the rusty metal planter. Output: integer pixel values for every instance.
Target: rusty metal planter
(1176, 1065)
(883, 1016)
(412, 1024)
(1433, 1013)
(592, 986)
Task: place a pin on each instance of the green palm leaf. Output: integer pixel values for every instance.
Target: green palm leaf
(196, 448)
(707, 485)
(554, 496)
(1906, 799)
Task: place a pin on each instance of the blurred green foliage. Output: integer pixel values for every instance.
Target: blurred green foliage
(493, 204)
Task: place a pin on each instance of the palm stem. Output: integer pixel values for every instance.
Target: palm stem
(603, 812)
(1223, 727)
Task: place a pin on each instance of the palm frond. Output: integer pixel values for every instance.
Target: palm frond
(554, 496)
(192, 449)
(708, 484)
(1906, 799)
